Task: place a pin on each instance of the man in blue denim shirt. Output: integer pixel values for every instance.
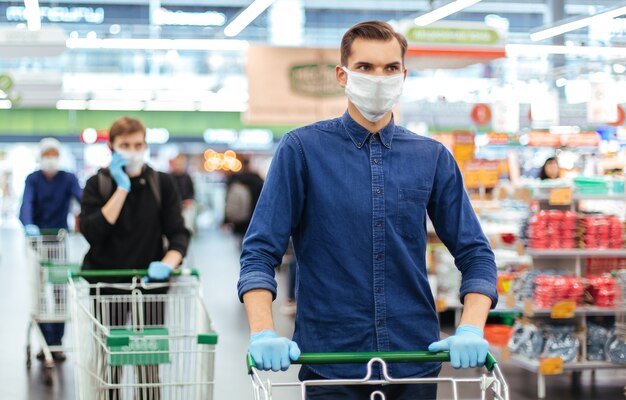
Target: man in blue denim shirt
(354, 193)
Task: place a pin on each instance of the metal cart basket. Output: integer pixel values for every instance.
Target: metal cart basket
(141, 340)
(47, 256)
(491, 381)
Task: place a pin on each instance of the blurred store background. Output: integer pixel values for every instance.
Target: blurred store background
(504, 85)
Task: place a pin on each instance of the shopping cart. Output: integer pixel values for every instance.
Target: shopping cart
(141, 340)
(47, 256)
(491, 380)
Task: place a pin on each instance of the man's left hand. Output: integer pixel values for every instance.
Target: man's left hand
(468, 348)
(159, 271)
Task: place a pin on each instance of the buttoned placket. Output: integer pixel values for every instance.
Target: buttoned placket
(378, 250)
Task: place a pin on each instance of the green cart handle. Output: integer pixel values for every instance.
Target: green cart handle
(361, 358)
(116, 273)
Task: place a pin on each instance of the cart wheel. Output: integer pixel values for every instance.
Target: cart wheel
(48, 375)
(28, 357)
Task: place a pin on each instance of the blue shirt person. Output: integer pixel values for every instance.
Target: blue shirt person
(354, 193)
(45, 205)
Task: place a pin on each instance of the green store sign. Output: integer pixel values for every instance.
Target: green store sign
(314, 80)
(450, 35)
(6, 86)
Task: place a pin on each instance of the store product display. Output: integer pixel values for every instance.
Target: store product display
(600, 232)
(603, 290)
(550, 289)
(597, 337)
(526, 340)
(552, 229)
(561, 341)
(616, 345)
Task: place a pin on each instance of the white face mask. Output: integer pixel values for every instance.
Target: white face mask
(373, 96)
(50, 165)
(135, 161)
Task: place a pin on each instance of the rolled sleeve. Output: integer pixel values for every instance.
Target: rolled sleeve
(275, 217)
(458, 228)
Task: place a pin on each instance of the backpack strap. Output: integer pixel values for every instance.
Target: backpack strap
(105, 183)
(154, 182)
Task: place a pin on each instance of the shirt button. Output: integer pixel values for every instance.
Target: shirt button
(378, 190)
(378, 290)
(379, 224)
(380, 323)
(376, 161)
(379, 257)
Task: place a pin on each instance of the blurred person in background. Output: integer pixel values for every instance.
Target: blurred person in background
(243, 189)
(48, 193)
(131, 216)
(550, 169)
(184, 183)
(354, 193)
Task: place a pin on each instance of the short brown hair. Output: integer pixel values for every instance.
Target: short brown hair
(125, 126)
(370, 30)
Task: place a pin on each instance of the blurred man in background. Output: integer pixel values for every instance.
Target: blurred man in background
(45, 206)
(184, 183)
(242, 193)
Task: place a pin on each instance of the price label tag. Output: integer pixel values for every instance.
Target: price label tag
(529, 309)
(563, 309)
(441, 305)
(551, 366)
(560, 197)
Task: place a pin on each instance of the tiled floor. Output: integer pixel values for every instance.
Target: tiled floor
(215, 255)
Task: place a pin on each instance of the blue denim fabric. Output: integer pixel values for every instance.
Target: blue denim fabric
(356, 205)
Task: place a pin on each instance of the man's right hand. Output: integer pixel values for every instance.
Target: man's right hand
(32, 230)
(271, 352)
(117, 172)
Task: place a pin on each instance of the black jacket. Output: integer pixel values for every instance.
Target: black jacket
(136, 239)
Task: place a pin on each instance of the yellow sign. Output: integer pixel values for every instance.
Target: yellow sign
(560, 197)
(441, 305)
(563, 309)
(551, 366)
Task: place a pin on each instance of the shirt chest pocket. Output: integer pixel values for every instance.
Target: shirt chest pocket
(411, 215)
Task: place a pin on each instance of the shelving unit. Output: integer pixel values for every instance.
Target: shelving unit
(572, 260)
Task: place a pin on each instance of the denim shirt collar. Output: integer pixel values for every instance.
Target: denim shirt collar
(359, 134)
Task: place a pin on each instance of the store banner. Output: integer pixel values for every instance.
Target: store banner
(454, 33)
(544, 109)
(293, 86)
(602, 106)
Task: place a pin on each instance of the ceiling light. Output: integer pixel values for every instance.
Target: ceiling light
(443, 11)
(561, 82)
(586, 51)
(619, 68)
(248, 15)
(5, 104)
(572, 24)
(115, 105)
(33, 15)
(71, 105)
(159, 44)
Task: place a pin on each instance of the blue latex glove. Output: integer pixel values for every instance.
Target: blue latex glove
(32, 230)
(159, 271)
(271, 351)
(117, 172)
(467, 347)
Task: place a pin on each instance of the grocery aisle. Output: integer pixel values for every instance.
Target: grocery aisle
(215, 255)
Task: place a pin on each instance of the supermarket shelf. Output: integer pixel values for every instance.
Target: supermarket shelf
(572, 253)
(532, 365)
(590, 311)
(583, 196)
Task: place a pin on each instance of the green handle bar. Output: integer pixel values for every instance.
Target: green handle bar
(112, 273)
(360, 358)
